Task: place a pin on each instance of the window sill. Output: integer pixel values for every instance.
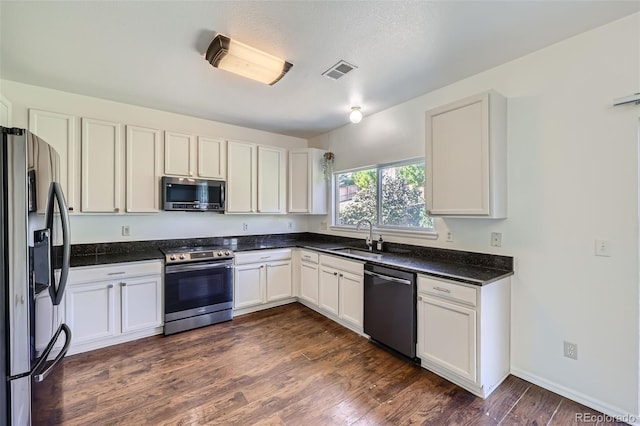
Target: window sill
(424, 235)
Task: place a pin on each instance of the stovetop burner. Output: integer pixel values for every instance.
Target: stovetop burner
(196, 254)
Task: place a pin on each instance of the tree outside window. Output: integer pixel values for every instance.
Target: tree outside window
(390, 196)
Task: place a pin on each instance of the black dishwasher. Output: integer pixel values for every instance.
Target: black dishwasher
(390, 308)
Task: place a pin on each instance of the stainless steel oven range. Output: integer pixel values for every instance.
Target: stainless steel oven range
(198, 287)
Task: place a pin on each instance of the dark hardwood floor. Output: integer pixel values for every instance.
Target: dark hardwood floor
(286, 365)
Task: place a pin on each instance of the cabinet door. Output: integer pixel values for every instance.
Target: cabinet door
(328, 290)
(278, 280)
(299, 194)
(143, 169)
(351, 298)
(100, 166)
(91, 311)
(241, 177)
(141, 301)
(58, 130)
(272, 169)
(248, 285)
(177, 154)
(458, 157)
(212, 158)
(309, 282)
(447, 336)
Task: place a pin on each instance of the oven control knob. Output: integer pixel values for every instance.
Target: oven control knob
(173, 257)
(220, 253)
(182, 257)
(227, 253)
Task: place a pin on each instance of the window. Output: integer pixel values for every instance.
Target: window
(390, 196)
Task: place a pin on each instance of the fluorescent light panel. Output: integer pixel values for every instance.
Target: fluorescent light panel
(238, 58)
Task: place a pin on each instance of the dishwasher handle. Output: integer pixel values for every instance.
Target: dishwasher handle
(386, 277)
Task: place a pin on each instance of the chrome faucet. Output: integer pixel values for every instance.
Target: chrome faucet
(370, 239)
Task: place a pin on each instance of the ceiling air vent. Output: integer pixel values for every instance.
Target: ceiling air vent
(338, 70)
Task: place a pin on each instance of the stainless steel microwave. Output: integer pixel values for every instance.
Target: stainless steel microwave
(195, 195)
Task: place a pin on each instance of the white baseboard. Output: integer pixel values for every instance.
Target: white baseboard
(607, 409)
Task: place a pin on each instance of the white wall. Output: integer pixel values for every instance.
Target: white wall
(573, 177)
(89, 228)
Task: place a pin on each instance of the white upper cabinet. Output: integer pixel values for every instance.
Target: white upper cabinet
(272, 171)
(212, 158)
(178, 149)
(466, 154)
(59, 130)
(101, 166)
(242, 178)
(256, 178)
(183, 156)
(307, 185)
(143, 170)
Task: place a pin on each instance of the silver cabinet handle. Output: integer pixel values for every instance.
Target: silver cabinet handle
(110, 286)
(262, 266)
(123, 284)
(116, 273)
(117, 210)
(444, 290)
(265, 257)
(335, 273)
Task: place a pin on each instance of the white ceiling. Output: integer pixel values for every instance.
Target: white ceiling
(150, 53)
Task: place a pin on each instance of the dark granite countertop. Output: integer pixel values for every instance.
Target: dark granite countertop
(467, 267)
(106, 258)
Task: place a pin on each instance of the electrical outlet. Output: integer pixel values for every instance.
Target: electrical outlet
(449, 236)
(126, 231)
(496, 239)
(570, 350)
(603, 248)
(245, 226)
(290, 225)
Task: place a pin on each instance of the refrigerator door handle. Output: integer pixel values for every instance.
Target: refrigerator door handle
(56, 195)
(39, 372)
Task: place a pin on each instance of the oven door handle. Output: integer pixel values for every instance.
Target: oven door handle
(173, 269)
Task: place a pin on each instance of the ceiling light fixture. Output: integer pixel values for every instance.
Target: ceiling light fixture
(356, 115)
(238, 58)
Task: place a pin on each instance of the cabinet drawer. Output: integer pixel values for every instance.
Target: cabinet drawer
(260, 256)
(352, 266)
(447, 290)
(114, 271)
(309, 256)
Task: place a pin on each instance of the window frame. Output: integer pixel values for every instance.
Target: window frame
(404, 230)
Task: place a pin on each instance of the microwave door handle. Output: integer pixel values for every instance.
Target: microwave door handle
(222, 195)
(39, 372)
(56, 195)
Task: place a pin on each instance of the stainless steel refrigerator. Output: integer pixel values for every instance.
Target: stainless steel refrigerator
(34, 258)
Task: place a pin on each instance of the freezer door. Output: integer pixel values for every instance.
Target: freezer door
(21, 401)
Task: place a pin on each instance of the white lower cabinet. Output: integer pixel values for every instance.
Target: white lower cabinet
(262, 279)
(309, 276)
(341, 290)
(463, 332)
(106, 305)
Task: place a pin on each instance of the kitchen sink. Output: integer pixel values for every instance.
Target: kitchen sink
(358, 252)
